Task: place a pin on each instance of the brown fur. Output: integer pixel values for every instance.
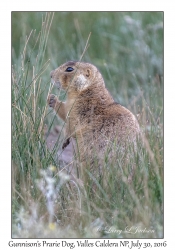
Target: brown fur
(91, 115)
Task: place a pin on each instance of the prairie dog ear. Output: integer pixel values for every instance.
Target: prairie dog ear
(88, 73)
(81, 82)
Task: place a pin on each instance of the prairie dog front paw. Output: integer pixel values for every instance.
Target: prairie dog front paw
(52, 100)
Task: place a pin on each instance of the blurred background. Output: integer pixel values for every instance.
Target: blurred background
(127, 47)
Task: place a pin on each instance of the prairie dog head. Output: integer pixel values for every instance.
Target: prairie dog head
(76, 76)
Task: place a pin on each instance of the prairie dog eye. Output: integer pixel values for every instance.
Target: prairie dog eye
(69, 69)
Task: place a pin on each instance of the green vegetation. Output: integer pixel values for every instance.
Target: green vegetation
(127, 47)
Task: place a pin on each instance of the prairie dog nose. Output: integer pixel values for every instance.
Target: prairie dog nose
(51, 73)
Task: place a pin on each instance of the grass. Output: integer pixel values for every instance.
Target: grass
(127, 47)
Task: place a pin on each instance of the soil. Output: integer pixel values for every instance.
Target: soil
(65, 156)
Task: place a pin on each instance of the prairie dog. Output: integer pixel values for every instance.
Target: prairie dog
(91, 114)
